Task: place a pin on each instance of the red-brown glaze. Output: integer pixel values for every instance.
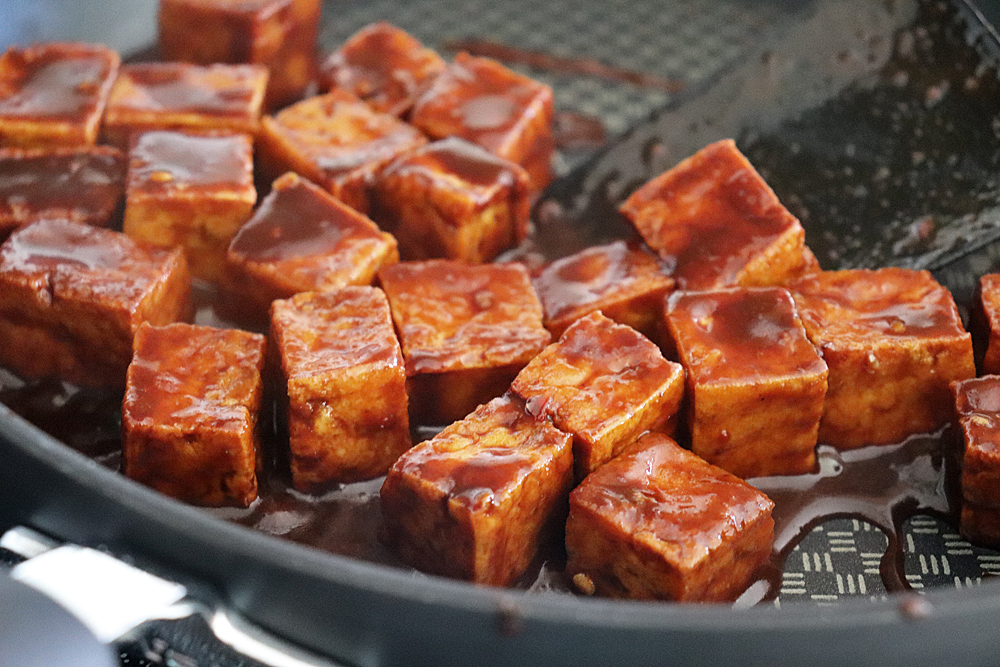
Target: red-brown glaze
(709, 216)
(84, 185)
(163, 161)
(210, 90)
(384, 66)
(55, 81)
(454, 316)
(470, 164)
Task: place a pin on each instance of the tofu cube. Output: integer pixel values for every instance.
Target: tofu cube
(619, 279)
(977, 409)
(603, 383)
(482, 101)
(301, 239)
(384, 66)
(986, 323)
(756, 384)
(466, 331)
(716, 223)
(190, 413)
(190, 191)
(54, 94)
(278, 34)
(84, 184)
(337, 141)
(453, 200)
(477, 501)
(72, 297)
(893, 341)
(347, 408)
(659, 523)
(182, 96)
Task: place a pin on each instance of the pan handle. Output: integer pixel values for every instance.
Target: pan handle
(123, 604)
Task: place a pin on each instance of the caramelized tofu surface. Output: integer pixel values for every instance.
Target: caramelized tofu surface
(658, 522)
(347, 406)
(977, 412)
(301, 239)
(620, 279)
(466, 331)
(336, 141)
(190, 191)
(72, 297)
(605, 384)
(756, 384)
(182, 96)
(278, 34)
(54, 94)
(84, 184)
(453, 200)
(475, 502)
(893, 341)
(989, 310)
(384, 66)
(716, 223)
(482, 101)
(190, 413)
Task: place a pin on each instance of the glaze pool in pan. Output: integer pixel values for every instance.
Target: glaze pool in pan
(875, 123)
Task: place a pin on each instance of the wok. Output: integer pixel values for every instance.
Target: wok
(800, 89)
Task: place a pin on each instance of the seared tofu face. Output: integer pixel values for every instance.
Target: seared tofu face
(986, 315)
(74, 295)
(716, 223)
(475, 501)
(301, 239)
(205, 98)
(190, 413)
(453, 200)
(605, 384)
(658, 522)
(278, 34)
(190, 191)
(84, 184)
(346, 383)
(756, 384)
(620, 279)
(465, 330)
(54, 94)
(336, 141)
(384, 66)
(483, 102)
(893, 341)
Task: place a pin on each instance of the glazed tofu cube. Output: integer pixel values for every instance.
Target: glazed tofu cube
(336, 141)
(755, 383)
(466, 331)
(478, 500)
(453, 200)
(977, 408)
(716, 223)
(54, 94)
(384, 66)
(278, 34)
(181, 96)
(619, 279)
(84, 184)
(301, 239)
(190, 191)
(347, 410)
(190, 413)
(893, 341)
(482, 101)
(987, 317)
(72, 297)
(658, 522)
(603, 383)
